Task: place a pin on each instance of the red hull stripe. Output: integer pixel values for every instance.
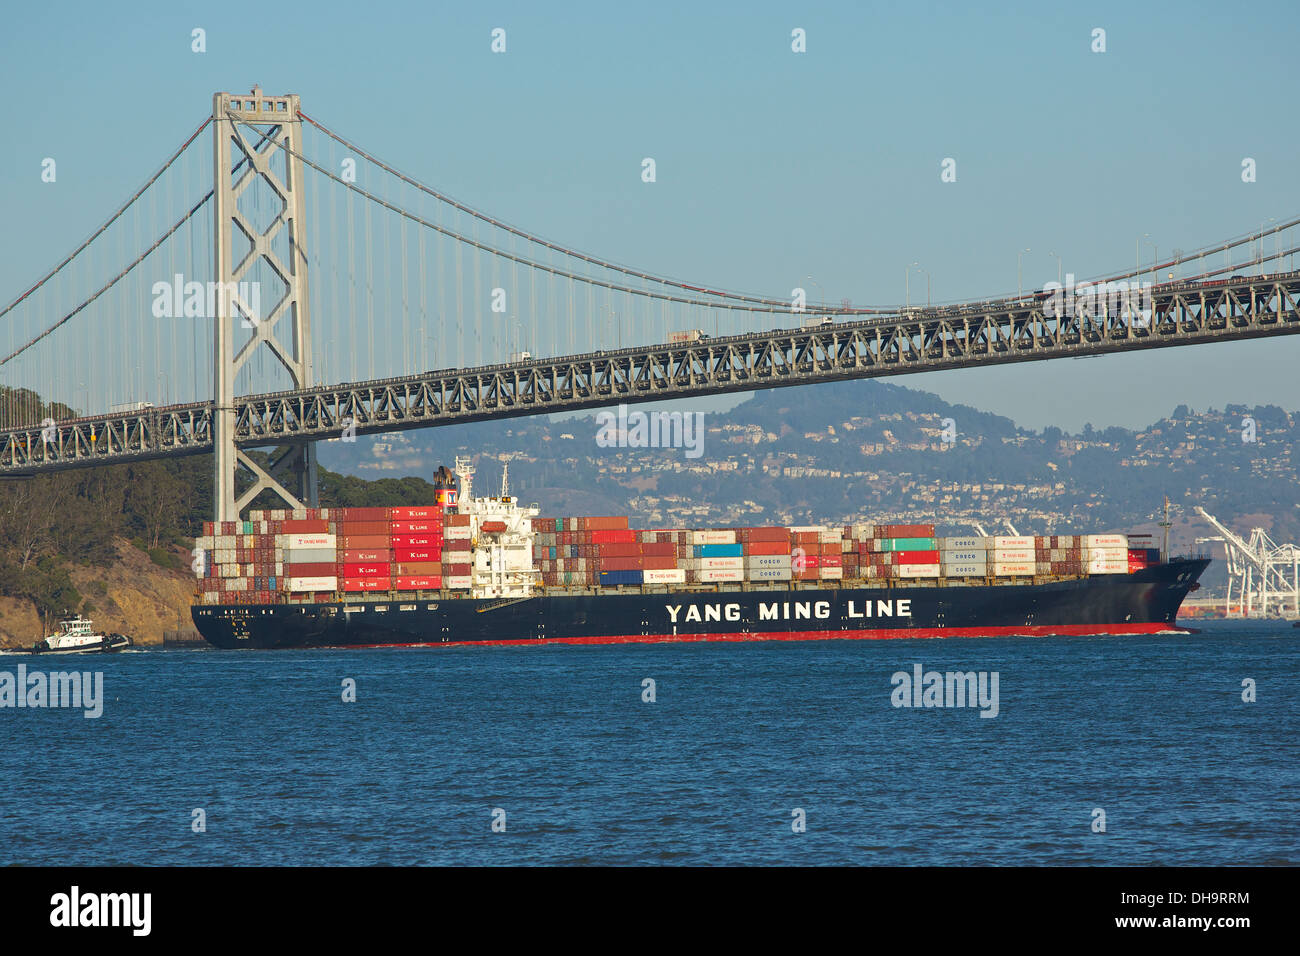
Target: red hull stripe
(884, 633)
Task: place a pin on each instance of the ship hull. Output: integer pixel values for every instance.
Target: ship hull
(1143, 602)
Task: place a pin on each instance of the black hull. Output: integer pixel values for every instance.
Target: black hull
(1144, 602)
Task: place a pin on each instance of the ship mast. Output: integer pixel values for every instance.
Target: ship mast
(1164, 551)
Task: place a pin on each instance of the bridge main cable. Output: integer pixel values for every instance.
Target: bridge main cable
(564, 250)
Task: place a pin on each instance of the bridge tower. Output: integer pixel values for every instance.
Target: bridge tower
(248, 131)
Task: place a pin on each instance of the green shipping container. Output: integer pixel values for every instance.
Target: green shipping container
(911, 544)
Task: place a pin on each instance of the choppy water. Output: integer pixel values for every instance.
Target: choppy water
(1151, 730)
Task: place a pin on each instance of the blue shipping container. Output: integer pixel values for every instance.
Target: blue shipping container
(719, 550)
(609, 579)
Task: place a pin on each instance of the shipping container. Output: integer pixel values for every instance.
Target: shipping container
(916, 570)
(664, 576)
(713, 537)
(720, 574)
(719, 550)
(609, 579)
(417, 582)
(303, 541)
(322, 583)
(964, 544)
(365, 584)
(769, 574)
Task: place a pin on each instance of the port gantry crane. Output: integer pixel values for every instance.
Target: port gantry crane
(1264, 575)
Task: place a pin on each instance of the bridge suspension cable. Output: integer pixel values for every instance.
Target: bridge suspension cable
(553, 246)
(111, 219)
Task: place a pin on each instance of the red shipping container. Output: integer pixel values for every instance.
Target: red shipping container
(304, 526)
(451, 544)
(424, 539)
(363, 514)
(406, 527)
(417, 554)
(352, 542)
(407, 513)
(417, 568)
(621, 564)
(365, 584)
(612, 536)
(768, 547)
(659, 548)
(348, 555)
(657, 562)
(418, 583)
(457, 521)
(310, 569)
(629, 549)
(831, 561)
(907, 530)
(455, 570)
(916, 557)
(768, 535)
(364, 527)
(366, 570)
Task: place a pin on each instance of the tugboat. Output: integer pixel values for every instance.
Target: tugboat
(77, 636)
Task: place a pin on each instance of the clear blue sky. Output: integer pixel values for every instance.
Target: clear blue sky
(771, 165)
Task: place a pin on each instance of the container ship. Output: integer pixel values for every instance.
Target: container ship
(471, 570)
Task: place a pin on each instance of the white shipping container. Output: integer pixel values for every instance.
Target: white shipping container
(769, 574)
(722, 574)
(457, 583)
(1020, 541)
(1103, 564)
(713, 537)
(296, 541)
(1006, 569)
(1089, 553)
(313, 584)
(452, 533)
(963, 556)
(831, 574)
(830, 537)
(963, 544)
(665, 576)
(1008, 555)
(965, 569)
(721, 564)
(916, 570)
(807, 528)
(1105, 541)
(307, 555)
(226, 541)
(768, 561)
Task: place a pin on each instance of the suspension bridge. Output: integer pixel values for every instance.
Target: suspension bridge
(207, 316)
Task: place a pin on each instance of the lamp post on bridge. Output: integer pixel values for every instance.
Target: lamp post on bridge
(820, 292)
(1155, 262)
(907, 283)
(917, 266)
(1020, 290)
